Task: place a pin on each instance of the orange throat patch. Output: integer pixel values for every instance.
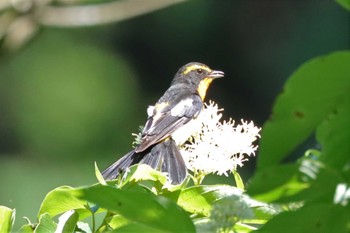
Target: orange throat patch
(203, 87)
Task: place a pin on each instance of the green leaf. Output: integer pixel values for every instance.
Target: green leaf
(140, 206)
(229, 207)
(309, 96)
(83, 227)
(322, 189)
(334, 136)
(26, 229)
(116, 221)
(283, 183)
(276, 182)
(344, 3)
(67, 222)
(46, 224)
(137, 227)
(238, 180)
(243, 228)
(7, 218)
(63, 199)
(99, 176)
(320, 218)
(141, 172)
(199, 199)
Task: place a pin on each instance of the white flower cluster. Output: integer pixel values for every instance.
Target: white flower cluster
(219, 147)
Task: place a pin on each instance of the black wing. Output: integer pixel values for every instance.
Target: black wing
(168, 118)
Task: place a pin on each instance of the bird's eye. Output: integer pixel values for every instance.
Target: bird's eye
(199, 71)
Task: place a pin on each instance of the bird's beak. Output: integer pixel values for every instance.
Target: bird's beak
(216, 74)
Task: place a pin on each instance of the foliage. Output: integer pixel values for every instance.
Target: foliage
(313, 190)
(316, 100)
(308, 195)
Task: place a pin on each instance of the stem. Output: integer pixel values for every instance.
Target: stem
(198, 177)
(93, 222)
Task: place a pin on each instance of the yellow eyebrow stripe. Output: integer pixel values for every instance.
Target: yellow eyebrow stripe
(196, 67)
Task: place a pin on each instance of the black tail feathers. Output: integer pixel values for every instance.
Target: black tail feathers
(164, 156)
(121, 165)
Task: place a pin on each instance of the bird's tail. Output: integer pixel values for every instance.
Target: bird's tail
(121, 165)
(164, 156)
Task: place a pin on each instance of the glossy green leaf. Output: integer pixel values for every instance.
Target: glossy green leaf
(238, 180)
(141, 172)
(99, 176)
(26, 229)
(83, 227)
(63, 199)
(67, 222)
(199, 199)
(46, 224)
(309, 96)
(116, 221)
(7, 218)
(140, 206)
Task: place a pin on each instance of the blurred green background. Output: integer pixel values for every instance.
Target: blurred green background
(72, 96)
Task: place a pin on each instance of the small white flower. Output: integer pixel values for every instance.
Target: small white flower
(219, 147)
(342, 194)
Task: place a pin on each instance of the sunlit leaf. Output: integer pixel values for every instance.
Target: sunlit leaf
(140, 206)
(99, 176)
(63, 199)
(145, 172)
(46, 224)
(238, 180)
(26, 229)
(7, 218)
(199, 199)
(116, 221)
(67, 222)
(83, 227)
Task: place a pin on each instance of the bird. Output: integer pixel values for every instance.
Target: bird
(181, 103)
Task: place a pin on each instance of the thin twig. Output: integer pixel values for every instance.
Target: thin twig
(91, 15)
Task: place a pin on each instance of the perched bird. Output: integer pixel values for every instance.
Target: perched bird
(181, 103)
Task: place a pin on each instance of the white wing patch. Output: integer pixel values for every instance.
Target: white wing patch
(150, 110)
(182, 134)
(179, 108)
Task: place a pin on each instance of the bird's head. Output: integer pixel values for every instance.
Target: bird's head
(197, 75)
